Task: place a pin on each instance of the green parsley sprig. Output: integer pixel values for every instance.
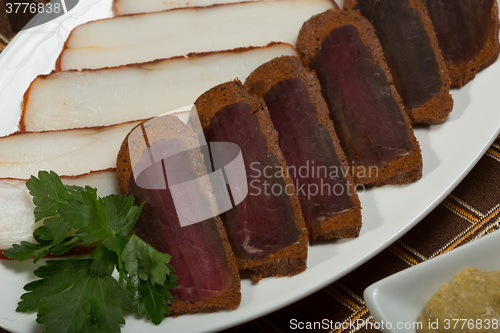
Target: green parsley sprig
(81, 295)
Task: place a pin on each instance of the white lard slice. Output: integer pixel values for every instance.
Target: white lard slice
(90, 98)
(124, 7)
(67, 153)
(145, 37)
(17, 221)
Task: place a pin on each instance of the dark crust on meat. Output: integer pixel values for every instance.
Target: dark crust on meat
(231, 298)
(123, 164)
(436, 109)
(259, 82)
(402, 170)
(461, 74)
(292, 259)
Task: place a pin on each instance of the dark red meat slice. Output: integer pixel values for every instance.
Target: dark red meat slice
(264, 222)
(366, 117)
(462, 26)
(197, 251)
(307, 146)
(407, 49)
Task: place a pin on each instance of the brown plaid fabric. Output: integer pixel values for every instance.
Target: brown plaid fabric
(471, 211)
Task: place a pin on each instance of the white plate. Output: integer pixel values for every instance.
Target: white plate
(396, 301)
(450, 150)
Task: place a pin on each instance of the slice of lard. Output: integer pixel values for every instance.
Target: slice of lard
(125, 7)
(67, 153)
(88, 98)
(145, 37)
(17, 221)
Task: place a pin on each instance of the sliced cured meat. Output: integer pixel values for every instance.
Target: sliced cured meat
(266, 230)
(201, 256)
(67, 153)
(413, 55)
(145, 37)
(315, 160)
(369, 118)
(250, 239)
(467, 31)
(124, 7)
(17, 221)
(88, 98)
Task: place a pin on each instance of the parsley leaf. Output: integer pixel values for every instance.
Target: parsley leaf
(49, 193)
(104, 261)
(96, 218)
(69, 298)
(81, 295)
(23, 251)
(144, 261)
(148, 299)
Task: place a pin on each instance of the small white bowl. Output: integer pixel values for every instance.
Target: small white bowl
(396, 301)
